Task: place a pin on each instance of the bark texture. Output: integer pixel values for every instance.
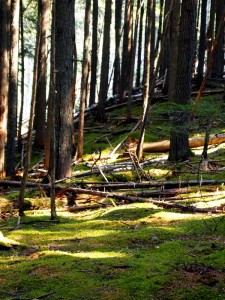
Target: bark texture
(64, 42)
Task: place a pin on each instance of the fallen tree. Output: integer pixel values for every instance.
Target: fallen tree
(193, 143)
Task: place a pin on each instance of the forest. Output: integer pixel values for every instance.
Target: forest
(112, 157)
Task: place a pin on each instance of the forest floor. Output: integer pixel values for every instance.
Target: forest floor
(125, 229)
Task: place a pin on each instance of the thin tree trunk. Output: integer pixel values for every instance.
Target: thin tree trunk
(29, 136)
(94, 53)
(202, 43)
(140, 38)
(211, 31)
(40, 107)
(127, 48)
(175, 21)
(218, 62)
(84, 79)
(146, 78)
(4, 11)
(133, 56)
(118, 31)
(22, 78)
(101, 116)
(13, 88)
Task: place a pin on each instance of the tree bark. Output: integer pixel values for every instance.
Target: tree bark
(84, 79)
(202, 43)
(127, 49)
(4, 65)
(140, 46)
(218, 62)
(94, 53)
(118, 33)
(13, 88)
(101, 116)
(179, 146)
(175, 22)
(40, 107)
(64, 42)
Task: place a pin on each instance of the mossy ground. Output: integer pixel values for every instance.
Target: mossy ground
(132, 252)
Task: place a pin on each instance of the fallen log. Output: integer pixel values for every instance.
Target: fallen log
(114, 185)
(193, 143)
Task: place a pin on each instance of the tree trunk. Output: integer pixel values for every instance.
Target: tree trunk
(127, 49)
(132, 64)
(140, 46)
(211, 31)
(4, 10)
(101, 116)
(40, 107)
(218, 62)
(22, 78)
(202, 43)
(94, 53)
(179, 146)
(84, 79)
(64, 42)
(13, 88)
(175, 21)
(118, 33)
(146, 77)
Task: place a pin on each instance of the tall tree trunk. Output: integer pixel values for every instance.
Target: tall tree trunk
(218, 62)
(146, 77)
(211, 31)
(118, 33)
(140, 38)
(127, 49)
(175, 21)
(94, 53)
(84, 79)
(179, 145)
(202, 43)
(22, 78)
(40, 108)
(165, 56)
(29, 132)
(51, 98)
(13, 88)
(101, 116)
(132, 64)
(64, 42)
(4, 10)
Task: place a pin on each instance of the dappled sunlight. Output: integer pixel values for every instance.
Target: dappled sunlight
(91, 255)
(168, 216)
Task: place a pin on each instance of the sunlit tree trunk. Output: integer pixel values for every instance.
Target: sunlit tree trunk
(4, 10)
(84, 79)
(146, 77)
(13, 88)
(40, 108)
(22, 84)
